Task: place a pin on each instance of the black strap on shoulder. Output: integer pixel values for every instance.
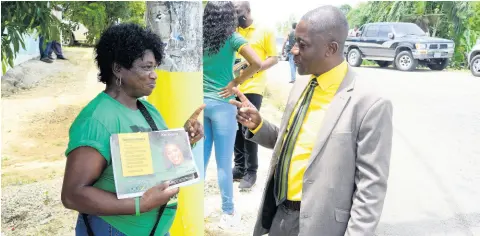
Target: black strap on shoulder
(147, 115)
(154, 127)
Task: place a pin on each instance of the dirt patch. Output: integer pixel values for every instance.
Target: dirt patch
(36, 209)
(246, 202)
(43, 130)
(35, 123)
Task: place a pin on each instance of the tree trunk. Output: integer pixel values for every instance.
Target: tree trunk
(179, 92)
(179, 25)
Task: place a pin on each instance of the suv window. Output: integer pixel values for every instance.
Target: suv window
(384, 31)
(372, 31)
(408, 29)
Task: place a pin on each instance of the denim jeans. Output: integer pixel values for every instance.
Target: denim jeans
(293, 68)
(99, 227)
(43, 52)
(220, 127)
(55, 47)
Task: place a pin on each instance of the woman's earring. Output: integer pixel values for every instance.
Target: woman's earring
(119, 81)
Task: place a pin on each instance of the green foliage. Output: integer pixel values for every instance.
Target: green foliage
(97, 16)
(345, 8)
(20, 18)
(137, 13)
(456, 20)
(474, 21)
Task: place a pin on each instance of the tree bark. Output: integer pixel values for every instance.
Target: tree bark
(178, 25)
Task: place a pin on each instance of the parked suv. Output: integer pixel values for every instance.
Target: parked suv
(403, 45)
(474, 60)
(77, 35)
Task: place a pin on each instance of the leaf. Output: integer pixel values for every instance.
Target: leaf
(15, 42)
(4, 66)
(20, 39)
(10, 61)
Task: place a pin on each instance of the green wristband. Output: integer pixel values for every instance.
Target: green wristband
(137, 206)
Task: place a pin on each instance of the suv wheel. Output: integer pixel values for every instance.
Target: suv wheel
(354, 57)
(475, 66)
(404, 61)
(68, 40)
(439, 64)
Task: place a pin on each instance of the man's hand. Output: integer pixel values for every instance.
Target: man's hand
(193, 126)
(247, 114)
(228, 90)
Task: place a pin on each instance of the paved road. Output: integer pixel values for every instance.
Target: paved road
(434, 185)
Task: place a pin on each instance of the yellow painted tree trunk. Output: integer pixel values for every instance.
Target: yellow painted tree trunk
(179, 92)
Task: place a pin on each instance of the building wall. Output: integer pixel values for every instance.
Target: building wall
(31, 50)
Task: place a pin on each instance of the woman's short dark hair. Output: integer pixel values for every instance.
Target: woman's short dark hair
(219, 23)
(123, 44)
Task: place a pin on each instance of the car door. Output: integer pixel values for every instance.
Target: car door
(384, 43)
(369, 40)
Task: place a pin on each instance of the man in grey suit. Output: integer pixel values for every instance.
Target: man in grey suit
(331, 154)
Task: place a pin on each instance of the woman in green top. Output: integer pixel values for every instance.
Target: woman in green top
(127, 56)
(220, 43)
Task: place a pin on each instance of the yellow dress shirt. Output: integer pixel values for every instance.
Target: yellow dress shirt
(263, 43)
(322, 96)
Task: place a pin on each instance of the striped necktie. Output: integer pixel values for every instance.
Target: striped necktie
(281, 172)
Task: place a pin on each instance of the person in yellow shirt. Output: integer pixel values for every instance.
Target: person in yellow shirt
(331, 154)
(262, 40)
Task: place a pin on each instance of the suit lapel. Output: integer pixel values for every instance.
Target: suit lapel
(341, 99)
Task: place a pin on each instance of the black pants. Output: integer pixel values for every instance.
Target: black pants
(246, 158)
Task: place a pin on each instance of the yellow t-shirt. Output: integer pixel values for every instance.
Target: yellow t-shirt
(262, 41)
(322, 96)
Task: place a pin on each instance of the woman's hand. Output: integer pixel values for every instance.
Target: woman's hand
(156, 197)
(228, 90)
(193, 126)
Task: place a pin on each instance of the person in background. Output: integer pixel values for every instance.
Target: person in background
(55, 47)
(43, 48)
(329, 169)
(220, 43)
(126, 55)
(353, 32)
(287, 46)
(262, 40)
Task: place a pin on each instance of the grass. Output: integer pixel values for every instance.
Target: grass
(17, 177)
(14, 178)
(368, 63)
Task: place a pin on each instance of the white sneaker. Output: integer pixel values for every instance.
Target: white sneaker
(228, 221)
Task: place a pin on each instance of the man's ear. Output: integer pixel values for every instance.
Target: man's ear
(332, 49)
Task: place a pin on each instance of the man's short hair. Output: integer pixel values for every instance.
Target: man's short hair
(243, 4)
(294, 25)
(328, 21)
